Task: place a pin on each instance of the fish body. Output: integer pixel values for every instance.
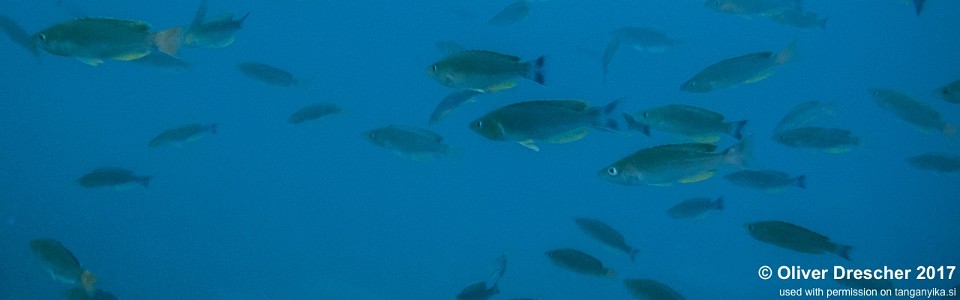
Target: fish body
(647, 289)
(268, 74)
(484, 71)
(796, 238)
(513, 13)
(695, 208)
(803, 114)
(799, 19)
(554, 121)
(181, 135)
(112, 177)
(674, 163)
(579, 262)
(93, 40)
(217, 32)
(606, 235)
(950, 92)
(831, 140)
(451, 102)
(937, 162)
(692, 122)
(410, 142)
(313, 112)
(765, 180)
(921, 115)
(738, 70)
(753, 7)
(485, 290)
(639, 38)
(62, 264)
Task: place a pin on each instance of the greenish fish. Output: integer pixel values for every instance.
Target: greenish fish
(639, 38)
(513, 13)
(698, 124)
(217, 32)
(78, 293)
(799, 19)
(746, 69)
(180, 135)
(648, 289)
(830, 140)
(485, 290)
(674, 163)
(695, 208)
(950, 92)
(553, 121)
(313, 112)
(753, 7)
(765, 180)
(410, 142)
(579, 262)
(796, 238)
(93, 40)
(268, 74)
(484, 71)
(451, 102)
(117, 178)
(607, 235)
(62, 265)
(935, 161)
(921, 115)
(803, 114)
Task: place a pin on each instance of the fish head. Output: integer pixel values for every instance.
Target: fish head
(488, 128)
(621, 174)
(49, 41)
(696, 85)
(376, 137)
(443, 74)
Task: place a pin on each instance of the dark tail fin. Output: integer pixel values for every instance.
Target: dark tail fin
(213, 128)
(144, 181)
(495, 277)
(844, 251)
(537, 70)
(633, 254)
(18, 35)
(605, 116)
(718, 204)
(918, 5)
(801, 181)
(632, 124)
(239, 21)
(735, 129)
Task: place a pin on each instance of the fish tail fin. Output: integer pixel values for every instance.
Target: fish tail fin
(244, 18)
(950, 130)
(168, 41)
(603, 118)
(88, 280)
(608, 54)
(213, 128)
(633, 255)
(844, 251)
(740, 154)
(735, 129)
(144, 181)
(801, 181)
(788, 54)
(918, 6)
(718, 204)
(536, 70)
(823, 23)
(633, 124)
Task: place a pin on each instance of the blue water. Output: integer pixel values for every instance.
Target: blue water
(267, 210)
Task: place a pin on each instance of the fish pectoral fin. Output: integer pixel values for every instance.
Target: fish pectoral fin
(760, 76)
(530, 145)
(225, 42)
(699, 177)
(90, 61)
(131, 56)
(569, 136)
(501, 86)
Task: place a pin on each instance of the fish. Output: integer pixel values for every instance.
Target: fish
(163, 61)
(830, 140)
(799, 19)
(950, 92)
(765, 180)
(180, 135)
(804, 114)
(745, 69)
(918, 6)
(936, 161)
(675, 163)
(648, 289)
(313, 112)
(513, 13)
(919, 114)
(606, 235)
(451, 102)
(217, 32)
(117, 178)
(695, 208)
(268, 74)
(410, 142)
(78, 293)
(553, 121)
(639, 38)
(695, 123)
(753, 7)
(485, 290)
(485, 71)
(93, 40)
(18, 35)
(789, 236)
(62, 264)
(579, 262)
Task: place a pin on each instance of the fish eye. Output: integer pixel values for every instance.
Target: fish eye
(612, 171)
(42, 37)
(433, 68)
(646, 114)
(371, 135)
(479, 124)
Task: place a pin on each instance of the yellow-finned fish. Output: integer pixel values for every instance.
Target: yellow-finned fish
(485, 71)
(93, 40)
(738, 70)
(698, 124)
(674, 163)
(830, 140)
(62, 265)
(554, 121)
(789, 236)
(410, 142)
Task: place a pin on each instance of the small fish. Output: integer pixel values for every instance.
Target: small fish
(214, 33)
(93, 40)
(485, 71)
(674, 163)
(410, 142)
(765, 180)
(180, 135)
(451, 102)
(937, 162)
(830, 140)
(799, 19)
(268, 74)
(647, 289)
(695, 208)
(485, 290)
(698, 124)
(79, 293)
(117, 178)
(753, 7)
(62, 264)
(579, 262)
(513, 13)
(804, 114)
(745, 69)
(796, 238)
(313, 112)
(639, 38)
(18, 35)
(553, 121)
(950, 92)
(921, 115)
(606, 235)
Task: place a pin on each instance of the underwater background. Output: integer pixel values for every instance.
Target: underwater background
(268, 210)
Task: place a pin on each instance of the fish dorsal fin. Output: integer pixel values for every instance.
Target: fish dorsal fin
(90, 61)
(225, 17)
(699, 177)
(420, 131)
(198, 17)
(488, 52)
(695, 147)
(569, 136)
